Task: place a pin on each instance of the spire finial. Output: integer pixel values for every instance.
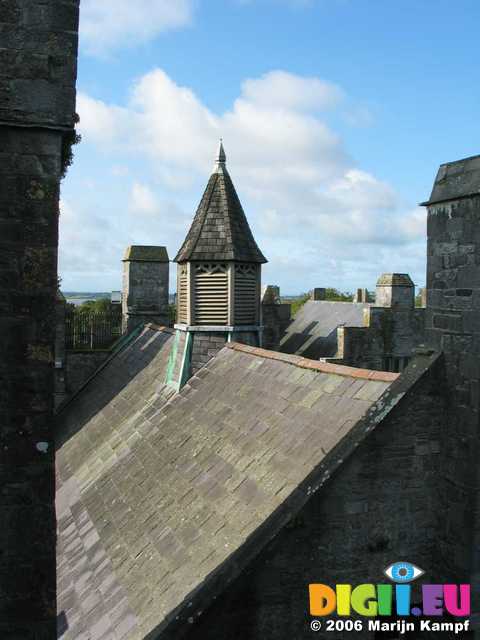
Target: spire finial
(221, 158)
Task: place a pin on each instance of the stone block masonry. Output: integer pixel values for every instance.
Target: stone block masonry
(452, 325)
(145, 286)
(205, 346)
(37, 115)
(453, 281)
(80, 365)
(29, 175)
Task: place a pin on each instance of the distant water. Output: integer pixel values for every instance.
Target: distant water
(78, 301)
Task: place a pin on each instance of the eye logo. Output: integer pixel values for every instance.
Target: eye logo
(402, 572)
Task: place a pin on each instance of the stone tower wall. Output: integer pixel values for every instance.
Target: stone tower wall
(453, 325)
(37, 105)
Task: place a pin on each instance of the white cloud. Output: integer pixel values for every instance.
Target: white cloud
(106, 25)
(119, 170)
(104, 123)
(142, 199)
(282, 89)
(306, 199)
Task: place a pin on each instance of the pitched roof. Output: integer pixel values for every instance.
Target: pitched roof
(220, 230)
(313, 332)
(458, 179)
(162, 499)
(95, 436)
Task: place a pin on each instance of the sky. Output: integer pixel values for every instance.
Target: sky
(335, 115)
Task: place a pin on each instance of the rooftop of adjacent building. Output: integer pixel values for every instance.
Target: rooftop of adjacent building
(458, 179)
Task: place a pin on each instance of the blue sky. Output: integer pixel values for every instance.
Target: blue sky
(335, 116)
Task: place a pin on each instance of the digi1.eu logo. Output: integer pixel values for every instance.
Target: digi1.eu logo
(392, 599)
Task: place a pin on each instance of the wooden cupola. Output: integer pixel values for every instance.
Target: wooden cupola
(219, 262)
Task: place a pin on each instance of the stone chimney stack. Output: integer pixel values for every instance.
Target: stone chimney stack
(395, 291)
(423, 296)
(319, 293)
(145, 286)
(276, 316)
(453, 326)
(361, 295)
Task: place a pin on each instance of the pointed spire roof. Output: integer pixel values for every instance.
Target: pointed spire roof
(220, 230)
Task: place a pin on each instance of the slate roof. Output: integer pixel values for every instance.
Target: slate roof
(93, 438)
(220, 230)
(458, 179)
(162, 499)
(313, 332)
(144, 253)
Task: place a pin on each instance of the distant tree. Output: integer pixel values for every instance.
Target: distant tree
(101, 305)
(298, 303)
(335, 295)
(418, 300)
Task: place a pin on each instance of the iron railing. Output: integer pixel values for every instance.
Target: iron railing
(92, 330)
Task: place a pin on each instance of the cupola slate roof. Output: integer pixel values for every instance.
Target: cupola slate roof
(220, 230)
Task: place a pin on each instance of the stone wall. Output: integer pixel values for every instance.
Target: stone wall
(60, 380)
(205, 346)
(37, 114)
(384, 504)
(80, 365)
(275, 320)
(453, 325)
(387, 343)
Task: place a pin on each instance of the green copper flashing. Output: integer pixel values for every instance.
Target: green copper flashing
(185, 371)
(172, 359)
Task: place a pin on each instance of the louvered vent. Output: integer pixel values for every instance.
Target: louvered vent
(211, 293)
(246, 294)
(182, 298)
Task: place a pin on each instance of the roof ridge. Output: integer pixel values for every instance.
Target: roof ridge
(205, 212)
(316, 365)
(160, 327)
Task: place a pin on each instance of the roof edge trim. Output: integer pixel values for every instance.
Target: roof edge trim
(316, 365)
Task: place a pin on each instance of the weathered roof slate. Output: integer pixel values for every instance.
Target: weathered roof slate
(145, 253)
(160, 498)
(457, 179)
(93, 437)
(313, 332)
(220, 230)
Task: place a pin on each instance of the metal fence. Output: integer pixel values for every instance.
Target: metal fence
(92, 330)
